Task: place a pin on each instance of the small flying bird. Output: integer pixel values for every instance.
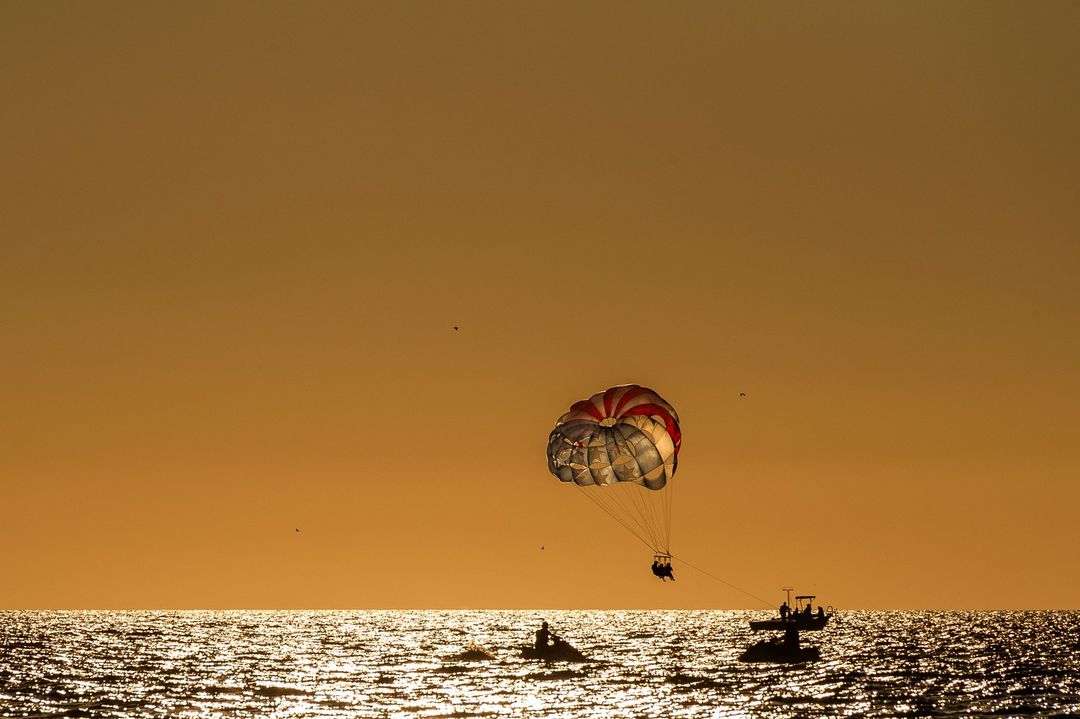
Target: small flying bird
(742, 394)
(541, 546)
(298, 530)
(456, 328)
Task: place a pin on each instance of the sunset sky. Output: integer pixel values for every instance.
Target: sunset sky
(235, 238)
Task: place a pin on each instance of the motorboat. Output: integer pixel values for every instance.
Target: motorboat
(779, 652)
(783, 649)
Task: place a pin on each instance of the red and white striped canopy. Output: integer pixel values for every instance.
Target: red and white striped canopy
(626, 433)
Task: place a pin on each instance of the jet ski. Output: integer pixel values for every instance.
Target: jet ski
(559, 651)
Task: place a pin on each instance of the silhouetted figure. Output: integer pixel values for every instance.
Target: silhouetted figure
(821, 612)
(542, 636)
(656, 569)
(791, 636)
(807, 610)
(784, 611)
(665, 572)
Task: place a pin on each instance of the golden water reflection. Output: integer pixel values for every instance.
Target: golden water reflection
(402, 664)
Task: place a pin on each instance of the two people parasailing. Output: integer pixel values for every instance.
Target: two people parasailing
(661, 567)
(621, 448)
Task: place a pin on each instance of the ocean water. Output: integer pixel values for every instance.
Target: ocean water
(646, 664)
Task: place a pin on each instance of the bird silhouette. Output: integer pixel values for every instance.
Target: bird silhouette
(456, 328)
(742, 394)
(298, 530)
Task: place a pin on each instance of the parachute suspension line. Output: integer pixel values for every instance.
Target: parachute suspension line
(628, 497)
(724, 581)
(662, 509)
(651, 502)
(667, 501)
(638, 505)
(654, 501)
(632, 510)
(614, 516)
(624, 507)
(630, 502)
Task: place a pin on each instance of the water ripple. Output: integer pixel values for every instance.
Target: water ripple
(414, 663)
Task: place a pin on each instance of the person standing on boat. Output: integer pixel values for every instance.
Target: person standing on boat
(791, 636)
(784, 610)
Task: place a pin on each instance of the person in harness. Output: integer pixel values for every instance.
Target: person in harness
(662, 570)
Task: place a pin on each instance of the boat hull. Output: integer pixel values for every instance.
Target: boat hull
(779, 654)
(813, 623)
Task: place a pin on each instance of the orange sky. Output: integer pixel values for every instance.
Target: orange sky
(234, 238)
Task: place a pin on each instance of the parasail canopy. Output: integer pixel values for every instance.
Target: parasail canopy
(621, 447)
